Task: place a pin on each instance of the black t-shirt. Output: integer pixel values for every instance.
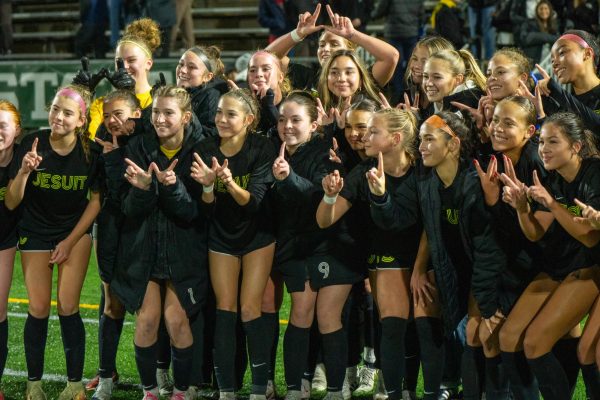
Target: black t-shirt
(56, 193)
(251, 169)
(402, 245)
(562, 252)
(591, 98)
(302, 77)
(9, 218)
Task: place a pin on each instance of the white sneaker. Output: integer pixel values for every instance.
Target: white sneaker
(226, 396)
(350, 382)
(293, 395)
(270, 393)
(164, 381)
(366, 381)
(334, 396)
(305, 389)
(380, 392)
(192, 392)
(319, 381)
(104, 389)
(409, 395)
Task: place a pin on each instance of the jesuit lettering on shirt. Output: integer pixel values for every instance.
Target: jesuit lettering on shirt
(452, 216)
(2, 193)
(241, 181)
(59, 182)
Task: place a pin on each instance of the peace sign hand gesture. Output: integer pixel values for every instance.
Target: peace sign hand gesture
(166, 177)
(539, 193)
(31, 160)
(589, 215)
(223, 172)
(107, 146)
(306, 22)
(543, 83)
(376, 177)
(281, 168)
(332, 183)
(490, 182)
(137, 177)
(201, 173)
(514, 193)
(341, 26)
(535, 98)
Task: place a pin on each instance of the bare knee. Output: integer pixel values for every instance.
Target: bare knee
(178, 326)
(586, 349)
(250, 311)
(146, 327)
(533, 344)
(302, 316)
(328, 322)
(40, 309)
(511, 338)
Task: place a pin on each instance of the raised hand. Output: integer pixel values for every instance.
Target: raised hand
(232, 85)
(376, 177)
(406, 106)
(535, 97)
(120, 78)
(307, 22)
(514, 193)
(384, 101)
(340, 116)
(31, 160)
(589, 215)
(341, 26)
(332, 183)
(324, 118)
(281, 168)
(543, 83)
(490, 182)
(166, 177)
(85, 78)
(223, 172)
(201, 173)
(136, 176)
(333, 155)
(122, 128)
(539, 193)
(107, 146)
(159, 83)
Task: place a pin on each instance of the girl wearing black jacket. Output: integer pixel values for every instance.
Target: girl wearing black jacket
(241, 237)
(51, 177)
(153, 277)
(560, 296)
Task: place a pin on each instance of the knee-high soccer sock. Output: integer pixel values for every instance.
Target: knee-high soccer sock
(522, 382)
(433, 350)
(3, 345)
(354, 325)
(314, 349)
(335, 353)
(591, 377)
(208, 335)
(197, 327)
(565, 350)
(225, 348)
(35, 334)
(182, 366)
(472, 363)
(259, 347)
(551, 377)
(110, 333)
(145, 359)
(393, 330)
(412, 357)
(241, 355)
(73, 338)
(377, 331)
(295, 347)
(496, 379)
(163, 350)
(272, 324)
(370, 322)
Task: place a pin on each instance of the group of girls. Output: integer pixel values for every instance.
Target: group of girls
(470, 206)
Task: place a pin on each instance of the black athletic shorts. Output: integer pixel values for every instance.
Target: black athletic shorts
(34, 244)
(9, 242)
(217, 245)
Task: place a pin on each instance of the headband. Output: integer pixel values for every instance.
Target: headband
(144, 49)
(273, 56)
(577, 39)
(75, 96)
(202, 56)
(435, 121)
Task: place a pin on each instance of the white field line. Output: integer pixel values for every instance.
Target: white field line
(55, 318)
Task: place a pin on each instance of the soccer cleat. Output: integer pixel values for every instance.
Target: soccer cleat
(350, 382)
(366, 382)
(380, 392)
(226, 396)
(35, 391)
(293, 395)
(334, 395)
(319, 381)
(91, 385)
(193, 392)
(150, 394)
(104, 389)
(257, 397)
(1, 396)
(73, 391)
(206, 390)
(409, 395)
(164, 381)
(270, 393)
(305, 389)
(179, 395)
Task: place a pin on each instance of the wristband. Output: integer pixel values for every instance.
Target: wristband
(208, 189)
(330, 199)
(295, 37)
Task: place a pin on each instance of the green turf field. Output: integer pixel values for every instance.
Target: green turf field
(14, 380)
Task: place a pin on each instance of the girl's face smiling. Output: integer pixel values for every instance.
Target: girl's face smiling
(434, 147)
(64, 116)
(191, 71)
(231, 119)
(417, 64)
(438, 81)
(509, 129)
(554, 149)
(168, 118)
(356, 128)
(9, 130)
(568, 60)
(294, 125)
(263, 71)
(543, 12)
(343, 79)
(115, 114)
(503, 77)
(136, 62)
(378, 139)
(328, 44)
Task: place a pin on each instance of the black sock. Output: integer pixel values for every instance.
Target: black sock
(377, 332)
(225, 348)
(73, 338)
(551, 377)
(109, 334)
(314, 349)
(241, 355)
(197, 327)
(412, 357)
(496, 379)
(145, 359)
(182, 366)
(473, 362)
(272, 323)
(565, 350)
(34, 337)
(3, 345)
(335, 350)
(259, 346)
(522, 382)
(431, 345)
(163, 350)
(295, 348)
(591, 377)
(393, 330)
